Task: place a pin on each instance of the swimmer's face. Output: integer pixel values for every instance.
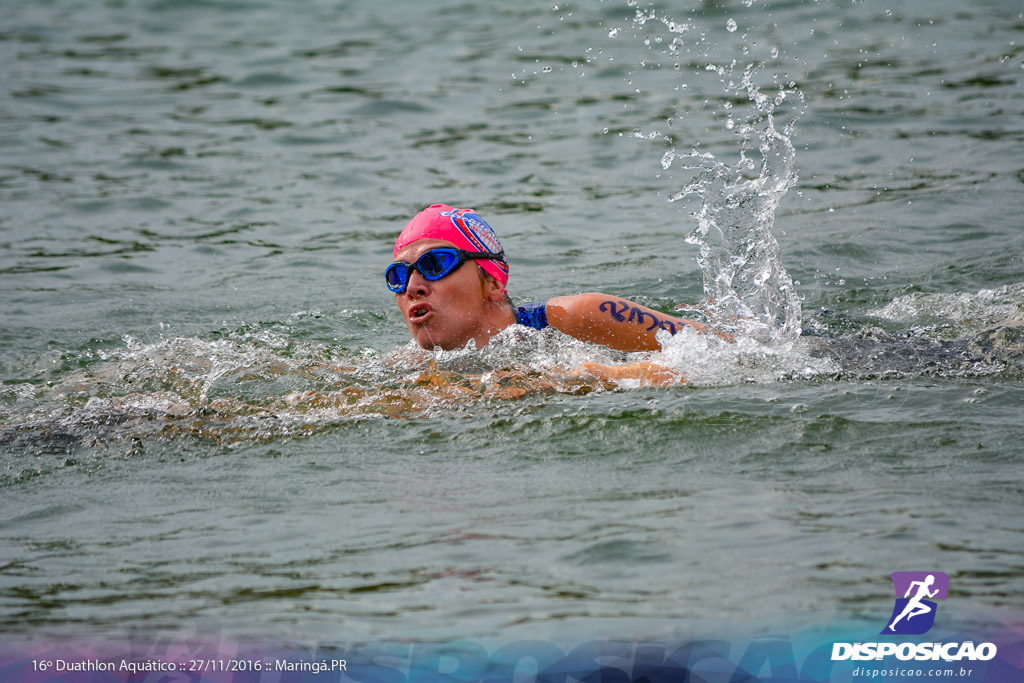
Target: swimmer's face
(446, 312)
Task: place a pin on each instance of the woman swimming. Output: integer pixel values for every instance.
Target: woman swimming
(445, 305)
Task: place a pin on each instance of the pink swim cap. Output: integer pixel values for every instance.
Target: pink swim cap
(462, 227)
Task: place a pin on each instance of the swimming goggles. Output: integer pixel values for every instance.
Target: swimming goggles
(433, 265)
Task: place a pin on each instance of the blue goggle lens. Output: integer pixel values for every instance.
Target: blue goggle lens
(436, 264)
(432, 265)
(397, 275)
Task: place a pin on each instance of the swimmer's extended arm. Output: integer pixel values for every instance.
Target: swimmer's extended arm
(613, 321)
(648, 374)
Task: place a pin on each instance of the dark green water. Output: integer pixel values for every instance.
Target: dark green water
(208, 413)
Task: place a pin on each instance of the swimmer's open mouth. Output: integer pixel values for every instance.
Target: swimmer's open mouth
(419, 312)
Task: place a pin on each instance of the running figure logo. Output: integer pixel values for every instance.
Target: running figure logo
(914, 612)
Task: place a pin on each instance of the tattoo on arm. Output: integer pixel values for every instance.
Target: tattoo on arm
(671, 326)
(613, 312)
(617, 310)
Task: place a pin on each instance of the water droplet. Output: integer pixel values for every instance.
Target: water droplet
(775, 52)
(546, 70)
(614, 32)
(730, 26)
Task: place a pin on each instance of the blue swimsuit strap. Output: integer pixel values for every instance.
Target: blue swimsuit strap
(533, 315)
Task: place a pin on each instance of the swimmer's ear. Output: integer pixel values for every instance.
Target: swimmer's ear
(493, 289)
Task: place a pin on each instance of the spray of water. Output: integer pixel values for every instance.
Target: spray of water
(745, 283)
(746, 286)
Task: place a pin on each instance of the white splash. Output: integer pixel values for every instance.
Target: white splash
(708, 360)
(745, 283)
(747, 289)
(960, 312)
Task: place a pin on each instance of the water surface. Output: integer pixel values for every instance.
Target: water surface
(209, 414)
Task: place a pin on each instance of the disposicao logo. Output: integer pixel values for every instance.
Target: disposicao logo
(916, 592)
(913, 615)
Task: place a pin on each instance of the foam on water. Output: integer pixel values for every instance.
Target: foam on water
(956, 313)
(258, 385)
(707, 360)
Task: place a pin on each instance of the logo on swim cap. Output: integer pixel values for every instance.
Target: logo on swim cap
(475, 229)
(914, 611)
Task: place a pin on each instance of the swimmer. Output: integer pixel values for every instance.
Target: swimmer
(446, 305)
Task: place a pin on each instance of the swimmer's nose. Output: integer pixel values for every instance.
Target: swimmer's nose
(418, 285)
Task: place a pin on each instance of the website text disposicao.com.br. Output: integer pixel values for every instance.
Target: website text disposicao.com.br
(868, 673)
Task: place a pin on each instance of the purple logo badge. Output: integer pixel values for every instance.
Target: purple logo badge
(916, 593)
